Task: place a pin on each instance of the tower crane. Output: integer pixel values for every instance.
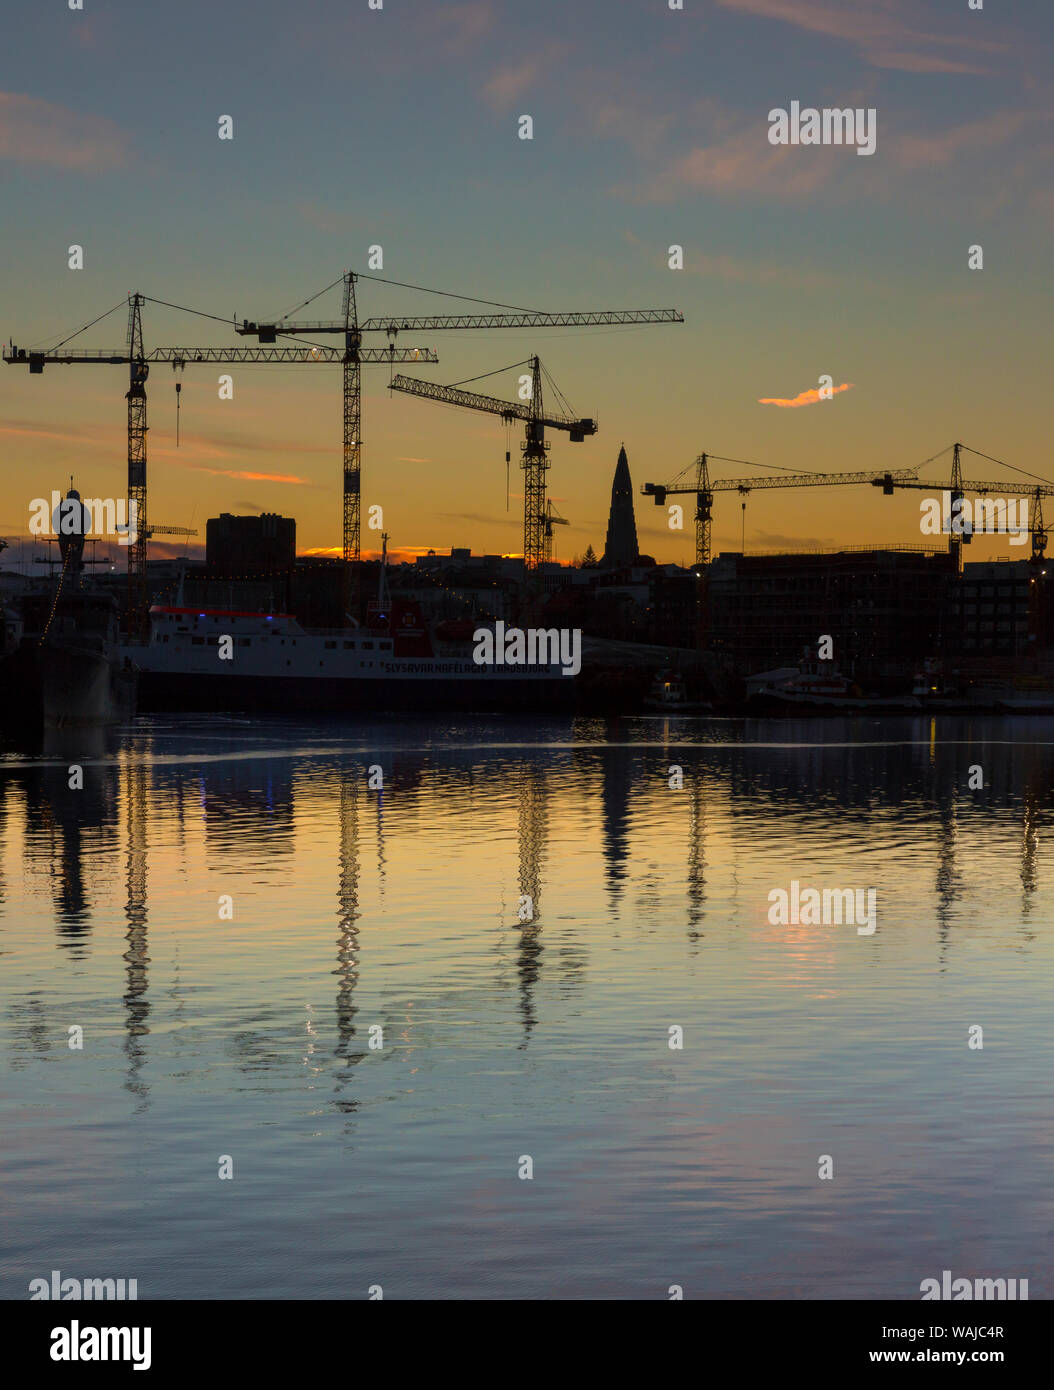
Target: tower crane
(537, 527)
(704, 488)
(139, 362)
(552, 518)
(352, 330)
(958, 488)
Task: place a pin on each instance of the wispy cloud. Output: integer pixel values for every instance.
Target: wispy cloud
(886, 35)
(452, 30)
(175, 550)
(514, 80)
(39, 132)
(743, 163)
(480, 519)
(776, 540)
(722, 267)
(746, 163)
(250, 477)
(918, 151)
(809, 397)
(226, 445)
(458, 28)
(29, 429)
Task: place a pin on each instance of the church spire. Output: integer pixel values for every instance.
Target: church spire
(620, 548)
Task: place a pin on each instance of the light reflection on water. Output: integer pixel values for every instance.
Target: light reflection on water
(355, 907)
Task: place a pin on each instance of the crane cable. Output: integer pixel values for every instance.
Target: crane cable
(69, 337)
(1005, 465)
(201, 314)
(511, 367)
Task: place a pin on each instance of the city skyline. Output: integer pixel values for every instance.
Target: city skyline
(798, 263)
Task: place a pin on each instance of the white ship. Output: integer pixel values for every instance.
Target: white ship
(201, 658)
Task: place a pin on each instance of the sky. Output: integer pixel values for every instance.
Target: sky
(398, 127)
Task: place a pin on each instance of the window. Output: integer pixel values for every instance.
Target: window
(198, 641)
(349, 646)
(331, 646)
(367, 646)
(385, 646)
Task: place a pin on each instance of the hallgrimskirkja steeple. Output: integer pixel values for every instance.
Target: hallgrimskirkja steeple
(620, 549)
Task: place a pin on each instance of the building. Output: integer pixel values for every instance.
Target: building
(885, 610)
(250, 545)
(991, 607)
(620, 549)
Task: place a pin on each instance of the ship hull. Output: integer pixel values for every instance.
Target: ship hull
(82, 689)
(201, 693)
(75, 687)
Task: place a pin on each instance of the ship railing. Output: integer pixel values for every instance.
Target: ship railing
(367, 633)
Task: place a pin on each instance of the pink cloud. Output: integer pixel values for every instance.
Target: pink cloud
(38, 132)
(885, 34)
(514, 80)
(746, 163)
(809, 397)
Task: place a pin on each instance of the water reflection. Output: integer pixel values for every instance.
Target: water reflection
(347, 970)
(136, 1003)
(400, 905)
(533, 796)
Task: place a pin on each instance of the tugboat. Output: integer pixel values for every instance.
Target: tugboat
(933, 692)
(669, 694)
(67, 670)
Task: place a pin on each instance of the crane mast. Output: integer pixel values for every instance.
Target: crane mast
(535, 466)
(536, 524)
(138, 371)
(352, 423)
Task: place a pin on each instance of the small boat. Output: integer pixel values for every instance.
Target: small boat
(669, 694)
(817, 684)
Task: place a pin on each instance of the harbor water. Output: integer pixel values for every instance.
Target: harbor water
(479, 1008)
